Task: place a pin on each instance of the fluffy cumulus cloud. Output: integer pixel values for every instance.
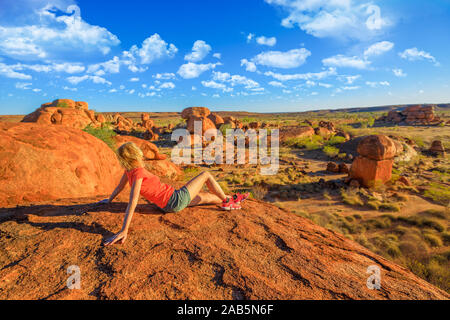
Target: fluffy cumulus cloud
(375, 84)
(199, 51)
(164, 76)
(276, 84)
(285, 60)
(9, 72)
(192, 70)
(249, 65)
(153, 48)
(262, 40)
(95, 79)
(302, 76)
(348, 19)
(414, 54)
(167, 85)
(47, 35)
(378, 48)
(235, 80)
(346, 62)
(399, 72)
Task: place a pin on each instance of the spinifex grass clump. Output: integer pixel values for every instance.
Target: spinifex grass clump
(104, 133)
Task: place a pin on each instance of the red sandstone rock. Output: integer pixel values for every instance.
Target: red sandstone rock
(195, 111)
(46, 162)
(332, 167)
(295, 132)
(216, 119)
(206, 124)
(377, 147)
(371, 172)
(343, 168)
(324, 132)
(260, 252)
(437, 148)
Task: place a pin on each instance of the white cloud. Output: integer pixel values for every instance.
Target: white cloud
(8, 71)
(345, 19)
(399, 72)
(23, 85)
(164, 76)
(276, 84)
(52, 36)
(325, 85)
(413, 54)
(167, 85)
(266, 41)
(350, 88)
(235, 80)
(134, 79)
(302, 76)
(250, 37)
(217, 55)
(131, 91)
(153, 48)
(249, 66)
(376, 84)
(199, 51)
(110, 66)
(95, 79)
(37, 90)
(194, 88)
(285, 60)
(349, 79)
(70, 89)
(214, 85)
(192, 70)
(346, 62)
(378, 48)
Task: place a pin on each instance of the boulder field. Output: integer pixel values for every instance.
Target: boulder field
(41, 162)
(259, 252)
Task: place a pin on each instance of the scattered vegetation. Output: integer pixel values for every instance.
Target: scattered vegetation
(104, 133)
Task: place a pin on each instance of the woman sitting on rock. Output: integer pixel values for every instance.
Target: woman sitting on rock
(163, 195)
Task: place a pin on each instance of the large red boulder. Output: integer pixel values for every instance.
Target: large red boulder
(195, 111)
(216, 119)
(206, 124)
(295, 132)
(46, 162)
(377, 147)
(371, 172)
(66, 112)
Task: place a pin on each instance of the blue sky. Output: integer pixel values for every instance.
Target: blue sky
(253, 55)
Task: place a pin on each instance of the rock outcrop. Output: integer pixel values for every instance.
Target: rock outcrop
(413, 115)
(197, 114)
(75, 114)
(41, 162)
(375, 160)
(437, 148)
(287, 133)
(260, 252)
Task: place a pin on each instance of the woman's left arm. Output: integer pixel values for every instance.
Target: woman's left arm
(132, 203)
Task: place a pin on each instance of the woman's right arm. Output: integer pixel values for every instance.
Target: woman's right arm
(119, 188)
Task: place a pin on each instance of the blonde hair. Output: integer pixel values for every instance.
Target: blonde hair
(130, 156)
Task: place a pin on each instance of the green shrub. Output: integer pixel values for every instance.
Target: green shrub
(331, 151)
(438, 193)
(335, 140)
(104, 133)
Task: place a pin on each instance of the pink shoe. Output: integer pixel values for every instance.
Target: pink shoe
(239, 197)
(229, 204)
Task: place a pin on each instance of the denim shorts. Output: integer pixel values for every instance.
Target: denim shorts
(179, 200)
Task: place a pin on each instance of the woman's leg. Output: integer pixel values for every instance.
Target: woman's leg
(205, 198)
(196, 184)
